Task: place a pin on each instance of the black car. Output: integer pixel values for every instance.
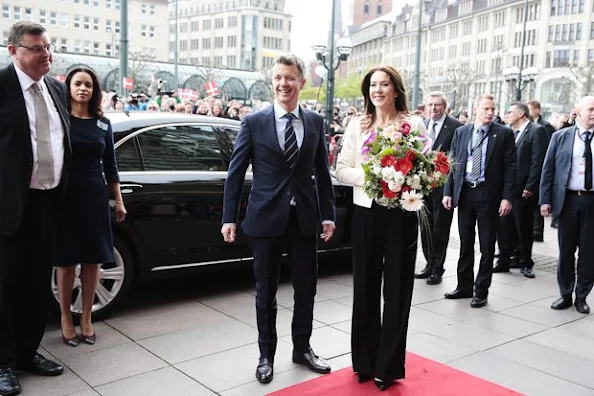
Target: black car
(172, 173)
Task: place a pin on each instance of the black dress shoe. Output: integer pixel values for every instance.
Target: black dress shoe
(382, 385)
(478, 302)
(9, 384)
(434, 279)
(500, 267)
(562, 303)
(456, 294)
(424, 274)
(363, 378)
(41, 366)
(537, 238)
(497, 255)
(555, 223)
(312, 361)
(264, 371)
(582, 307)
(528, 273)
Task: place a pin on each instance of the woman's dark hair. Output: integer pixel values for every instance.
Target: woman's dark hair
(95, 102)
(369, 108)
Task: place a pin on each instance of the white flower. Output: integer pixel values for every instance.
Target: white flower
(411, 201)
(414, 182)
(377, 170)
(393, 186)
(399, 177)
(388, 173)
(437, 175)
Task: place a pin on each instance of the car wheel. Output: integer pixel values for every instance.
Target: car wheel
(113, 284)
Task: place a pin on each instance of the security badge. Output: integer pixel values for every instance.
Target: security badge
(102, 125)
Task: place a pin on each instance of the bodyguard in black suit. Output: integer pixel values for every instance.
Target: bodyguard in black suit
(441, 129)
(482, 187)
(285, 144)
(515, 237)
(34, 154)
(566, 192)
(535, 116)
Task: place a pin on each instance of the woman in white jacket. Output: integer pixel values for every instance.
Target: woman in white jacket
(384, 240)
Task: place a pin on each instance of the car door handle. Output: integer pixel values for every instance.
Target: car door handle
(130, 188)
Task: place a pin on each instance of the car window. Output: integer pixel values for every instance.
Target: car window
(232, 132)
(127, 156)
(180, 148)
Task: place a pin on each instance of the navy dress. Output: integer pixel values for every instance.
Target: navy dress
(84, 234)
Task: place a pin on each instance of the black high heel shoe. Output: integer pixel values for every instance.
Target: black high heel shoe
(363, 377)
(381, 384)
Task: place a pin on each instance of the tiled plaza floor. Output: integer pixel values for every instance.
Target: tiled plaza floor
(205, 343)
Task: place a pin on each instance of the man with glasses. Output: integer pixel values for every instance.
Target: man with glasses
(567, 192)
(515, 232)
(34, 156)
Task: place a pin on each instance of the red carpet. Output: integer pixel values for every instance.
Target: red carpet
(424, 377)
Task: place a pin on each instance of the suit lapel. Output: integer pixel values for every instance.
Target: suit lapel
(566, 151)
(492, 136)
(442, 132)
(13, 87)
(272, 138)
(465, 140)
(523, 135)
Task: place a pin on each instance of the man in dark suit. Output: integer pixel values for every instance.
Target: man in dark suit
(566, 191)
(534, 108)
(435, 239)
(285, 144)
(515, 236)
(482, 187)
(34, 153)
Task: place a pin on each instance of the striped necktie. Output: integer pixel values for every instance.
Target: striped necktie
(291, 148)
(477, 154)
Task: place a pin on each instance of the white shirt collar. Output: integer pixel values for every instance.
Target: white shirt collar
(523, 126)
(580, 129)
(440, 121)
(279, 111)
(24, 78)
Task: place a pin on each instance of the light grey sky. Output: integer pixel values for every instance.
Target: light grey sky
(311, 22)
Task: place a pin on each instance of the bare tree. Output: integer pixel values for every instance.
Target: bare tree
(460, 81)
(584, 74)
(137, 63)
(209, 72)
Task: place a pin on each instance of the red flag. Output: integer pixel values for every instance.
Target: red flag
(211, 89)
(60, 78)
(128, 83)
(188, 94)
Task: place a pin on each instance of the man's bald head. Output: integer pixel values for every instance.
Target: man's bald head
(585, 112)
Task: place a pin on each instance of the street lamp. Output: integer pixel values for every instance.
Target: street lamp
(331, 61)
(520, 80)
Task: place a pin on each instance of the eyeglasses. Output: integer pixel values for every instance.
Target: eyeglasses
(350, 114)
(37, 49)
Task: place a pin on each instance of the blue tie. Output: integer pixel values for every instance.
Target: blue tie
(291, 148)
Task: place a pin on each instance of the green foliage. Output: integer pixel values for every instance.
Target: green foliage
(311, 93)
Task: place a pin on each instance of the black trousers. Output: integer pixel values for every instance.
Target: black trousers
(475, 206)
(538, 227)
(302, 253)
(26, 260)
(384, 243)
(516, 231)
(576, 228)
(435, 239)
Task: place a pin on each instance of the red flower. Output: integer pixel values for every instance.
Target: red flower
(404, 165)
(405, 128)
(406, 188)
(386, 191)
(442, 163)
(410, 155)
(388, 160)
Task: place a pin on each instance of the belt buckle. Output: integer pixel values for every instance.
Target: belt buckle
(473, 184)
(579, 193)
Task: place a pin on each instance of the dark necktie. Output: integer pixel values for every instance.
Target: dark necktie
(291, 148)
(516, 133)
(588, 157)
(477, 154)
(433, 131)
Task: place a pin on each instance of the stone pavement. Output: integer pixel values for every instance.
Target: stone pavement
(205, 343)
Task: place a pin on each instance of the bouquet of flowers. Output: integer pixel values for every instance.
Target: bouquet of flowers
(400, 167)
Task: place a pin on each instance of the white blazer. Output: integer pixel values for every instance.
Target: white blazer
(348, 164)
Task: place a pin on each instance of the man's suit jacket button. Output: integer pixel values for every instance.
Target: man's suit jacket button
(288, 193)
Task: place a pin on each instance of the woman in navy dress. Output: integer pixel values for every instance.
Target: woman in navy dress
(84, 235)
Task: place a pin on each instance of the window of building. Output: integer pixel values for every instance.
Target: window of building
(152, 31)
(454, 31)
(194, 44)
(76, 23)
(592, 31)
(53, 18)
(231, 62)
(117, 26)
(151, 9)
(561, 58)
(483, 23)
(183, 27)
(205, 43)
(28, 14)
(591, 55)
(96, 3)
(231, 41)
(183, 45)
(108, 52)
(194, 26)
(576, 56)
(567, 7)
(481, 46)
(206, 24)
(466, 48)
(143, 30)
(87, 23)
(63, 45)
(77, 46)
(96, 48)
(379, 7)
(144, 8)
(96, 26)
(467, 28)
(366, 7)
(218, 42)
(108, 3)
(108, 28)
(16, 13)
(219, 23)
(205, 61)
(118, 4)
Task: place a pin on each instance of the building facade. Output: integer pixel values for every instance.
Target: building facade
(93, 26)
(244, 34)
(467, 47)
(368, 45)
(368, 10)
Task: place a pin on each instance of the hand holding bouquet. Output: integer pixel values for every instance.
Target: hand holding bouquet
(400, 167)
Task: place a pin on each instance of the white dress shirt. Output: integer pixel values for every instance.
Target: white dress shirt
(281, 123)
(56, 129)
(521, 131)
(438, 126)
(577, 173)
(348, 164)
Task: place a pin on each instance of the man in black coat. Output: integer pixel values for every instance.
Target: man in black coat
(34, 154)
(516, 231)
(482, 187)
(534, 108)
(435, 239)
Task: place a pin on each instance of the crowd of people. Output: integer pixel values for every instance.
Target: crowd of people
(56, 179)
